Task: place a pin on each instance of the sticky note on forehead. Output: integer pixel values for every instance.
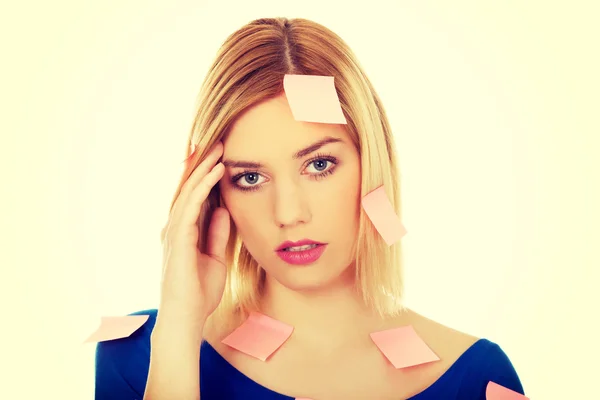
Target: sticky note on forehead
(380, 211)
(313, 98)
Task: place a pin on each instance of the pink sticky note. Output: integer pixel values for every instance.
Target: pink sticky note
(380, 211)
(117, 327)
(313, 98)
(499, 392)
(403, 347)
(259, 336)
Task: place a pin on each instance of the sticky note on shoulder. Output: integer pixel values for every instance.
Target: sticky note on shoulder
(313, 98)
(495, 391)
(403, 347)
(112, 328)
(259, 336)
(380, 211)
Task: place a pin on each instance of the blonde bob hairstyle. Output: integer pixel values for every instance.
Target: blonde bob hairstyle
(249, 68)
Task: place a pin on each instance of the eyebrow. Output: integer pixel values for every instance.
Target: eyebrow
(299, 154)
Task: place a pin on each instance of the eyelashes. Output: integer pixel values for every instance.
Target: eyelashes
(316, 176)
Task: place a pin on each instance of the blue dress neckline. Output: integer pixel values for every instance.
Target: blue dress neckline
(215, 356)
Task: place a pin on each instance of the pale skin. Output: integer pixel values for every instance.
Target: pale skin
(317, 196)
(330, 354)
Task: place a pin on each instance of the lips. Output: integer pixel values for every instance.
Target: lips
(303, 242)
(302, 257)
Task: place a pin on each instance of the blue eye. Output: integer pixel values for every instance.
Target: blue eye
(319, 162)
(251, 178)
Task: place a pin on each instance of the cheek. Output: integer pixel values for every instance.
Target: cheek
(346, 214)
(240, 218)
(247, 219)
(339, 205)
(233, 200)
(350, 207)
(345, 192)
(233, 206)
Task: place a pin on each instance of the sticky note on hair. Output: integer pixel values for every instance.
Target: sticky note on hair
(259, 336)
(112, 328)
(380, 211)
(499, 392)
(313, 98)
(403, 347)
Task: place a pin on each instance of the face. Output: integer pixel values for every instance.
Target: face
(287, 180)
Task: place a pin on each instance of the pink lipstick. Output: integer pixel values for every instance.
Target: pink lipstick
(302, 252)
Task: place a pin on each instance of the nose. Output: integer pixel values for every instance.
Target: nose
(291, 206)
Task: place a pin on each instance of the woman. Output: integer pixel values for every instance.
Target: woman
(248, 188)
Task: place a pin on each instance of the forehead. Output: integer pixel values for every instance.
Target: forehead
(271, 124)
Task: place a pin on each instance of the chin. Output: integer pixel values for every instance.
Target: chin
(303, 279)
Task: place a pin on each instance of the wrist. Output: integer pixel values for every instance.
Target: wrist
(176, 329)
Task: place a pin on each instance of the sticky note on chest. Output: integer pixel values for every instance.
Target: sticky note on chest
(259, 336)
(112, 328)
(403, 347)
(313, 98)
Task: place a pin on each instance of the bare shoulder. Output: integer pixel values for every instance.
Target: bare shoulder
(448, 343)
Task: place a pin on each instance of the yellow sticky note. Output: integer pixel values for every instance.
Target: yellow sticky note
(313, 98)
(380, 211)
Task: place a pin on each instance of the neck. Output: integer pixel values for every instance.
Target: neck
(326, 318)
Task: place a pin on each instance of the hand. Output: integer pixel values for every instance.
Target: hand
(193, 282)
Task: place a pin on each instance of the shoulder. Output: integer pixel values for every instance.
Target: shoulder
(122, 364)
(469, 363)
(487, 362)
(448, 343)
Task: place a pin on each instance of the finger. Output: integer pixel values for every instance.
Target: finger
(184, 222)
(218, 234)
(197, 175)
(203, 169)
(190, 211)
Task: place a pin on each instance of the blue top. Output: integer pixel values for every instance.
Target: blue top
(122, 370)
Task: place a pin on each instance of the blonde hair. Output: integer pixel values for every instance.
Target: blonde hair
(249, 68)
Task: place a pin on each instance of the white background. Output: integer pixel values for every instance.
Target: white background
(494, 107)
